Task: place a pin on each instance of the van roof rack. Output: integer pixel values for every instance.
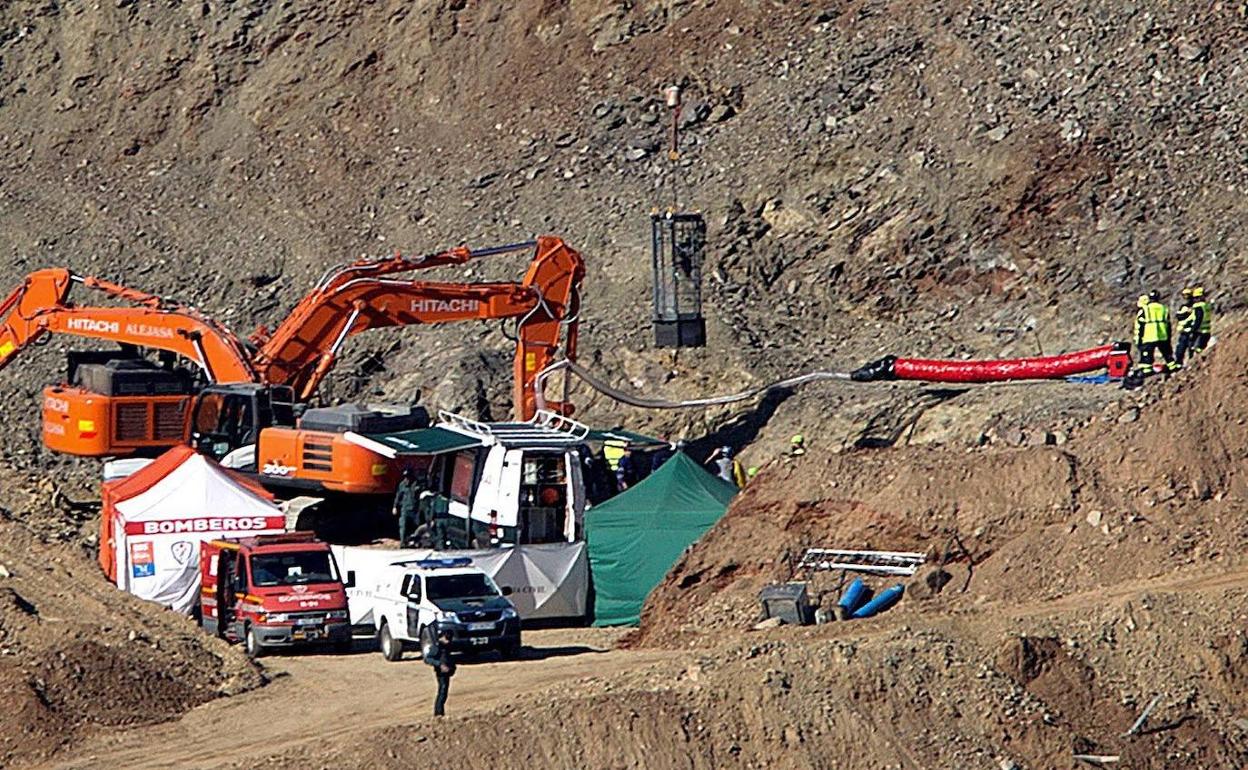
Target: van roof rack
(545, 429)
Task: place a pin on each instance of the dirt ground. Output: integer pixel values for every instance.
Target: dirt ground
(315, 698)
(1030, 681)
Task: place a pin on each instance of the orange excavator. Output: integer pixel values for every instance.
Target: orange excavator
(252, 428)
(247, 413)
(121, 403)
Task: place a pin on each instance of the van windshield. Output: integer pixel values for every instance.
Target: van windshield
(472, 586)
(296, 567)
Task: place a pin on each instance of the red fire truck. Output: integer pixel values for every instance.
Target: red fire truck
(272, 591)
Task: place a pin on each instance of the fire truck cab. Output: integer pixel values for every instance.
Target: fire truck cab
(273, 591)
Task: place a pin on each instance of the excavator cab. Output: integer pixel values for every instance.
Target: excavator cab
(227, 420)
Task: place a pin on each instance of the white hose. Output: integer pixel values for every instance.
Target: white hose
(658, 403)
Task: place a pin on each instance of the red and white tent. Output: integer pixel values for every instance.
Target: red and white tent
(153, 521)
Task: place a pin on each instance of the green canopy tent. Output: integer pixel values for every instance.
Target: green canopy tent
(635, 537)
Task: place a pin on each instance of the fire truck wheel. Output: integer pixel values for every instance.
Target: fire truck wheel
(391, 648)
(251, 642)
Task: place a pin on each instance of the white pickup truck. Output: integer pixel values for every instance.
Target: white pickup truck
(412, 596)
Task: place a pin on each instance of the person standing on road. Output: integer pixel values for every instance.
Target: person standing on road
(407, 505)
(439, 657)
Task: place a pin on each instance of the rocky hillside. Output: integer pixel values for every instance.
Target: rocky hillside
(942, 180)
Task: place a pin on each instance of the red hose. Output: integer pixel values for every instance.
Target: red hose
(1044, 368)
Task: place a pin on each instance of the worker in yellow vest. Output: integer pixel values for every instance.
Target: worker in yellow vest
(1195, 323)
(1152, 331)
(613, 450)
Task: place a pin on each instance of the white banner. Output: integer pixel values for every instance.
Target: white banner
(164, 568)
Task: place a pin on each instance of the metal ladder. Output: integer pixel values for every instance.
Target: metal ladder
(872, 562)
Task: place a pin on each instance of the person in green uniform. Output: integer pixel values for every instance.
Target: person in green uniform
(407, 504)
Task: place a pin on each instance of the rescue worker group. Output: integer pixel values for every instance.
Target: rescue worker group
(1154, 329)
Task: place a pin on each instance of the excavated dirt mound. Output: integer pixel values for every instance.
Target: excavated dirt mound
(77, 655)
(1153, 485)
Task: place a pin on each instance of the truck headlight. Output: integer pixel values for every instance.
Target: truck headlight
(510, 613)
(333, 615)
(448, 617)
(278, 617)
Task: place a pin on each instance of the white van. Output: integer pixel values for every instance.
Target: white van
(413, 598)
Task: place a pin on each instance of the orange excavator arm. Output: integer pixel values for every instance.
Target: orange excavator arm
(358, 297)
(40, 306)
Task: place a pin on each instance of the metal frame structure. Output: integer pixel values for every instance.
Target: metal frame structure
(677, 243)
(872, 562)
(545, 429)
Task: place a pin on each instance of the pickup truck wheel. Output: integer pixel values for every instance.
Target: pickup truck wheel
(251, 643)
(391, 648)
(426, 642)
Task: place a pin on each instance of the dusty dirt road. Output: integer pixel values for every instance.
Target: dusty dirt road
(313, 697)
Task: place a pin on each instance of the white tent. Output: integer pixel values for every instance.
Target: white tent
(155, 519)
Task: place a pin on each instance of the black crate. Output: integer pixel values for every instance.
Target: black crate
(132, 377)
(361, 419)
(787, 601)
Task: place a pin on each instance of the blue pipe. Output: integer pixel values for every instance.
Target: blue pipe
(854, 596)
(880, 603)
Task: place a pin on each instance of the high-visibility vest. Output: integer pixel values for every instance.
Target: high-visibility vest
(613, 451)
(1206, 317)
(1155, 318)
(1185, 318)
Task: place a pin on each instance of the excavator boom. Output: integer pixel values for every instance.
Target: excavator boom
(40, 307)
(357, 298)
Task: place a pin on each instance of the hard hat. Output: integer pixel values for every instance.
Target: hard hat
(752, 472)
(725, 450)
(1142, 301)
(1198, 291)
(1154, 295)
(1187, 291)
(797, 439)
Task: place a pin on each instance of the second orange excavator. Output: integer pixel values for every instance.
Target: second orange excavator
(252, 428)
(243, 401)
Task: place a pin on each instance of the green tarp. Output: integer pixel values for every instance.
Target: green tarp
(635, 537)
